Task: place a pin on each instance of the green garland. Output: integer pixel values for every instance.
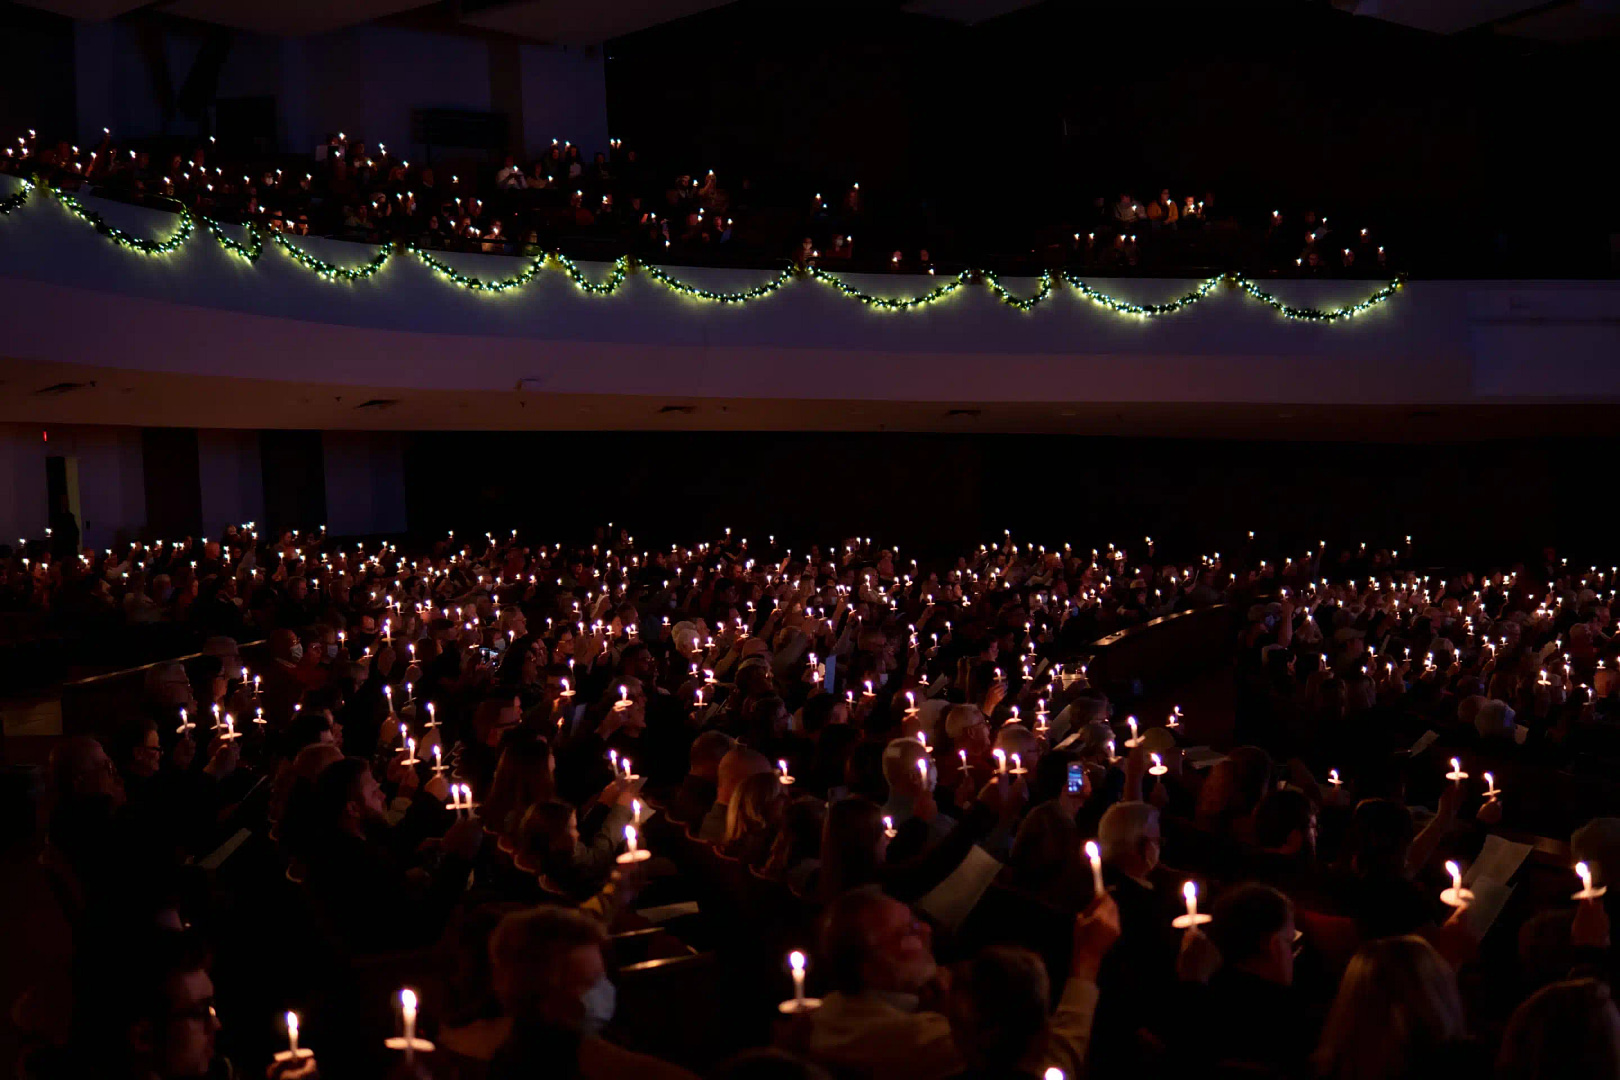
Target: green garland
(622, 267)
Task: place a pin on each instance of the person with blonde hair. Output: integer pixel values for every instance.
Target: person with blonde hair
(753, 817)
(1397, 1014)
(1568, 1028)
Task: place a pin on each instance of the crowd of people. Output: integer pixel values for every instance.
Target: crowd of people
(614, 203)
(410, 835)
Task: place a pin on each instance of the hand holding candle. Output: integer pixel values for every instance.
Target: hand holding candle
(294, 1052)
(410, 1043)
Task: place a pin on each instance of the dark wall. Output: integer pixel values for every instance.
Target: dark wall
(36, 71)
(939, 494)
(1454, 140)
(169, 466)
(294, 466)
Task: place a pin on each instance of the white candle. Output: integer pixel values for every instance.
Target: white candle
(922, 771)
(1456, 896)
(438, 759)
(292, 1033)
(796, 962)
(1190, 892)
(407, 1002)
(888, 826)
(1158, 768)
(1001, 760)
(1333, 777)
(433, 721)
(1456, 775)
(782, 771)
(1491, 790)
(963, 755)
(1017, 766)
(1585, 873)
(1094, 854)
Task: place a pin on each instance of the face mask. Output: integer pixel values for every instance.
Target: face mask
(332, 651)
(297, 653)
(599, 1002)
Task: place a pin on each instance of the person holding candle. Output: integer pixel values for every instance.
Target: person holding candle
(910, 786)
(878, 957)
(355, 878)
(1248, 1014)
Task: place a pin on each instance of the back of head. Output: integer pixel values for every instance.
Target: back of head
(1381, 831)
(522, 778)
(1396, 1007)
(1123, 826)
(1018, 739)
(334, 788)
(527, 952)
(960, 719)
(850, 840)
(1598, 843)
(844, 944)
(738, 765)
(1280, 814)
(1565, 1029)
(542, 833)
(1245, 919)
(900, 759)
(998, 1008)
(755, 808)
(1047, 844)
(708, 749)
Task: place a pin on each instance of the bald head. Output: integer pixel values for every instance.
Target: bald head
(738, 765)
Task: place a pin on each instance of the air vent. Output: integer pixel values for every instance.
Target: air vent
(378, 403)
(58, 389)
(684, 409)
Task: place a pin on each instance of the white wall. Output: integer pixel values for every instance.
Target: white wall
(231, 473)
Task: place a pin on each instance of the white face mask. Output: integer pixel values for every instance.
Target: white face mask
(599, 1002)
(331, 651)
(297, 653)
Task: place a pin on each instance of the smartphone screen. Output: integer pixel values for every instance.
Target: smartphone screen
(1077, 777)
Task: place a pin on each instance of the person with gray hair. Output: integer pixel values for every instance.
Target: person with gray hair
(911, 776)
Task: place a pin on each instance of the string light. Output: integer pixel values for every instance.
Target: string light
(624, 266)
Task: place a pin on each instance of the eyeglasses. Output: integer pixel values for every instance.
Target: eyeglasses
(200, 1011)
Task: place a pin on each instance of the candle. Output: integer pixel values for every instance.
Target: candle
(1588, 892)
(797, 963)
(1333, 777)
(1094, 854)
(635, 811)
(1456, 775)
(624, 692)
(782, 771)
(1017, 766)
(963, 755)
(407, 1003)
(433, 721)
(404, 733)
(438, 759)
(1001, 760)
(1135, 740)
(629, 773)
(1158, 768)
(632, 853)
(922, 771)
(613, 759)
(1491, 790)
(888, 826)
(410, 751)
(185, 725)
(1054, 1073)
(1189, 892)
(1456, 896)
(911, 707)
